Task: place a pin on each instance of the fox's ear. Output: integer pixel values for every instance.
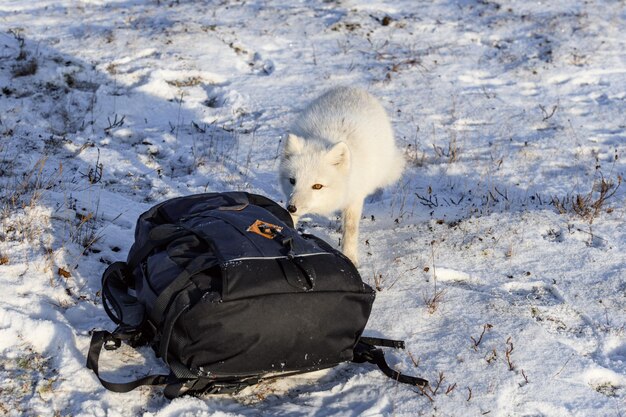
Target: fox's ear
(293, 145)
(339, 155)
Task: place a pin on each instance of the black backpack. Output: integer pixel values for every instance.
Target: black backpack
(228, 293)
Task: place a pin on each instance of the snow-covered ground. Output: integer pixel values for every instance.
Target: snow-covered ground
(500, 257)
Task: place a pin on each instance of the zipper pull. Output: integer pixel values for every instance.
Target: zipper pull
(288, 243)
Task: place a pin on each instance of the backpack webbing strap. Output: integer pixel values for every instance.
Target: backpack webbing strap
(112, 342)
(179, 305)
(176, 386)
(376, 341)
(164, 299)
(366, 351)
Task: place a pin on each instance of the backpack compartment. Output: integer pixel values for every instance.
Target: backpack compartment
(283, 329)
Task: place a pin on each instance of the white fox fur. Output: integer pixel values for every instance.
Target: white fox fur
(344, 143)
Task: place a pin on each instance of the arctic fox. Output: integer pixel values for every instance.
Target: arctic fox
(340, 150)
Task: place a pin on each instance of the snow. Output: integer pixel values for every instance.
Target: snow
(508, 111)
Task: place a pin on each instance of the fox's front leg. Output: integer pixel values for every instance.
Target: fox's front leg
(350, 239)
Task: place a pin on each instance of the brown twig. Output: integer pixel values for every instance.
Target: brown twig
(546, 114)
(508, 352)
(425, 394)
(416, 362)
(525, 377)
(486, 327)
(439, 381)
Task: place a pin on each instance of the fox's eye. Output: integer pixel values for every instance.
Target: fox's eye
(292, 181)
(317, 186)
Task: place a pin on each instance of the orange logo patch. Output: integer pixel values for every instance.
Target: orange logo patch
(265, 229)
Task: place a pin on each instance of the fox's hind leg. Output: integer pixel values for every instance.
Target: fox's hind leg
(350, 239)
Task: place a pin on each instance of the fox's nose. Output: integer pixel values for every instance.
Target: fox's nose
(291, 208)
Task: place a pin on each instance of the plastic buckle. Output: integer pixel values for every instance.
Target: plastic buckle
(398, 344)
(364, 353)
(112, 343)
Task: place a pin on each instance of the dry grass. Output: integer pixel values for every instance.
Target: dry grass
(24, 65)
(28, 375)
(430, 391)
(413, 152)
(20, 197)
(589, 206)
(25, 215)
(433, 300)
(451, 152)
(187, 82)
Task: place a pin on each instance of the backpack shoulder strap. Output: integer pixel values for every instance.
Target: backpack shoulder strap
(175, 386)
(112, 341)
(366, 350)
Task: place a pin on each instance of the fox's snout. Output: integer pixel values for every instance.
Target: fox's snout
(292, 208)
